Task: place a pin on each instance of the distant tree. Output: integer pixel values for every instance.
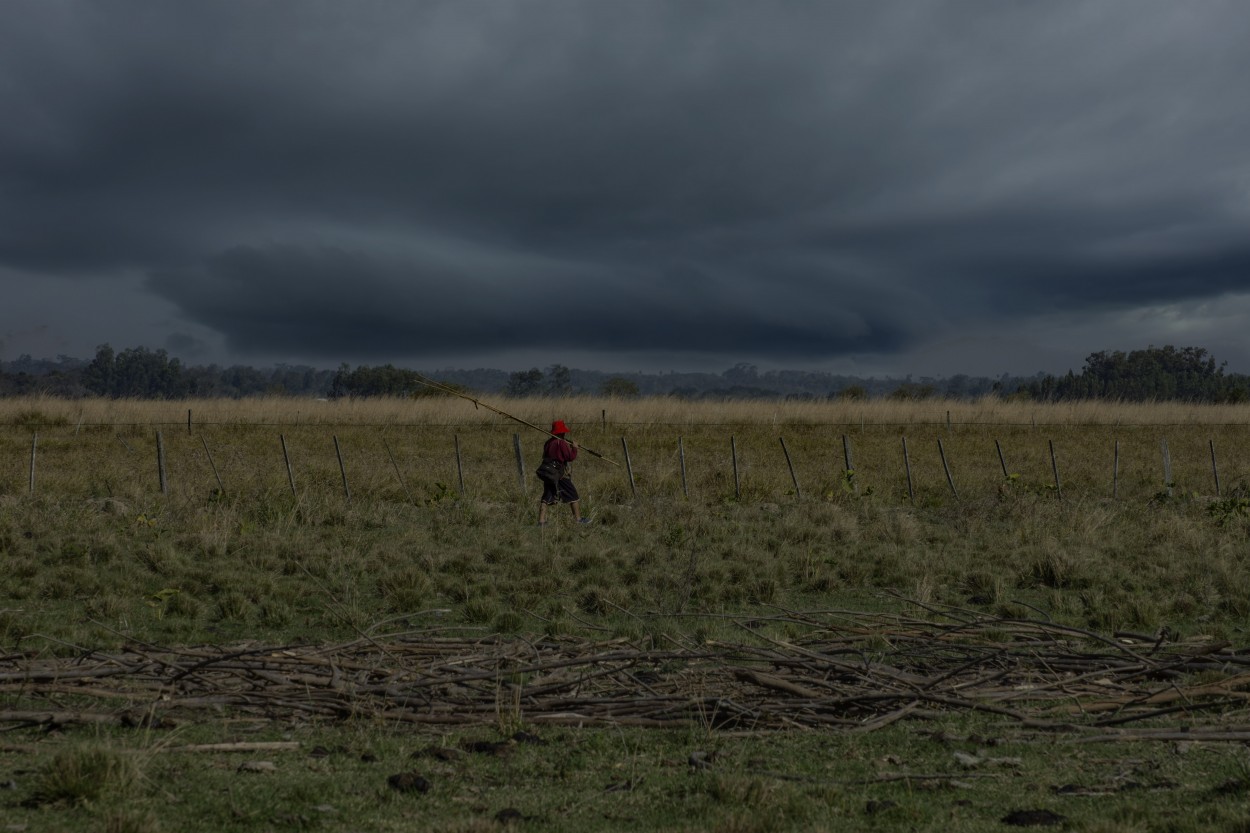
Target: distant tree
(386, 380)
(742, 374)
(913, 390)
(97, 377)
(25, 363)
(853, 392)
(619, 387)
(525, 382)
(148, 374)
(559, 380)
(958, 385)
(19, 384)
(245, 381)
(136, 372)
(1155, 374)
(292, 380)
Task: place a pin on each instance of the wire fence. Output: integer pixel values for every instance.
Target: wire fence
(910, 463)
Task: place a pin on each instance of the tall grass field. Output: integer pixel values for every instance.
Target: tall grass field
(134, 528)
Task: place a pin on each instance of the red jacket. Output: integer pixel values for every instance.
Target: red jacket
(558, 449)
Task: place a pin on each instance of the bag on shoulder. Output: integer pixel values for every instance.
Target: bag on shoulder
(550, 471)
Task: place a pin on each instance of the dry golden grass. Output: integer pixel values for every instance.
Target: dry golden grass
(593, 411)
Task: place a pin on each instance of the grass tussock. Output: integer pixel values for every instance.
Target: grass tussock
(86, 774)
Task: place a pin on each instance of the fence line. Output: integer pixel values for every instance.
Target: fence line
(851, 477)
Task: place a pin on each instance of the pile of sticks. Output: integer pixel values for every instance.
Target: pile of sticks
(848, 671)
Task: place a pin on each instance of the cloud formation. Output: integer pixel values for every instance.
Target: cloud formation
(820, 183)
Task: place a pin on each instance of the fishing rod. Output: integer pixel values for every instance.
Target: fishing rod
(479, 403)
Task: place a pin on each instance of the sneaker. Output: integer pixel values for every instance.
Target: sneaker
(585, 521)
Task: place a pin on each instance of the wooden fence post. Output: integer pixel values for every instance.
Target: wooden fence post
(733, 452)
(911, 492)
(459, 464)
(1167, 468)
(681, 457)
(34, 444)
(850, 464)
(220, 488)
(1215, 472)
(394, 465)
(160, 463)
(629, 468)
(1115, 473)
(290, 473)
(188, 422)
(338, 452)
(1002, 461)
(950, 481)
(798, 494)
(1054, 466)
(520, 461)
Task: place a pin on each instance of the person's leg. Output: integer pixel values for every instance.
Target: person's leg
(550, 495)
(568, 494)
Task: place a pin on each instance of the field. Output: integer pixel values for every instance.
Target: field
(288, 615)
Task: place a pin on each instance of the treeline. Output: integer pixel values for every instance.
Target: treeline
(1155, 374)
(1187, 374)
(141, 373)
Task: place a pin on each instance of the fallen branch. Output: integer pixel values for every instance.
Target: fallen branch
(847, 672)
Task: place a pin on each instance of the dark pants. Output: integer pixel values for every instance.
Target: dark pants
(561, 492)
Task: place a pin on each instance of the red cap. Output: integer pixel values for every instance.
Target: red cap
(558, 427)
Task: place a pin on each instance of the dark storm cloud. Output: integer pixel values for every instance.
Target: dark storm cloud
(337, 303)
(381, 180)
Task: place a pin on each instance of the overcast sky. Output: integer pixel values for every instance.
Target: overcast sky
(921, 186)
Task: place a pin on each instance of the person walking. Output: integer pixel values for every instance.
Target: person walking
(553, 471)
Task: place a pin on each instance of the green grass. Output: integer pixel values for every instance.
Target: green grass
(961, 775)
(98, 557)
(276, 568)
